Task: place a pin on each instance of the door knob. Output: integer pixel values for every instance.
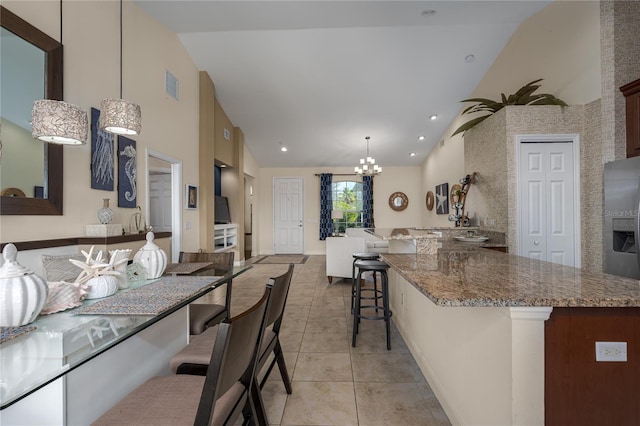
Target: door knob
(535, 243)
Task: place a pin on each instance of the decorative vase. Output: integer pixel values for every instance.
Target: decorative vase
(105, 214)
(117, 255)
(22, 293)
(101, 286)
(152, 258)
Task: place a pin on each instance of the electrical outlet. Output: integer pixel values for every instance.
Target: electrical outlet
(611, 351)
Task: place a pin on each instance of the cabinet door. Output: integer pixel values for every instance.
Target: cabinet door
(631, 92)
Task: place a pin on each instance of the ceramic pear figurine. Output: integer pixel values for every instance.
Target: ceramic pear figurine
(152, 258)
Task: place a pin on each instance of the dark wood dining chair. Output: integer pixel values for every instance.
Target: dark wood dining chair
(228, 389)
(193, 358)
(203, 316)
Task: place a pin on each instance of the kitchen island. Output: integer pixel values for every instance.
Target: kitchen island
(502, 338)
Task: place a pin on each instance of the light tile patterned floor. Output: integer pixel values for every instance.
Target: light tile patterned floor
(334, 383)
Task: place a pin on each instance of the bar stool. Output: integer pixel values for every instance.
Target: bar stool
(376, 267)
(363, 256)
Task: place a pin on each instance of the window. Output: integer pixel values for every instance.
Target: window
(347, 198)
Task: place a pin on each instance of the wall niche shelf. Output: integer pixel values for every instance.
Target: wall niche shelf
(225, 237)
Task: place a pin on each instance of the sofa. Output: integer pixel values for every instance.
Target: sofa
(373, 244)
(339, 250)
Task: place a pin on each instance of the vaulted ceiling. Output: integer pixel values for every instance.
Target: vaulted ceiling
(317, 77)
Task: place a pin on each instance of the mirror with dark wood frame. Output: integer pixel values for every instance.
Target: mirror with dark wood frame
(53, 160)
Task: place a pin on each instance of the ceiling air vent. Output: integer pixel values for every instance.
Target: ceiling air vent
(171, 85)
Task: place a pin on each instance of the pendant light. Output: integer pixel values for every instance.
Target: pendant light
(117, 115)
(368, 165)
(58, 121)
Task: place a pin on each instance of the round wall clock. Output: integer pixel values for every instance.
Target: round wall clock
(430, 200)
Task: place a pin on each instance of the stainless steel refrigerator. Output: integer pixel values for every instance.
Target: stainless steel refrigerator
(621, 221)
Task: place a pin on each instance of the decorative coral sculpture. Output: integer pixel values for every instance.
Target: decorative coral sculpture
(99, 276)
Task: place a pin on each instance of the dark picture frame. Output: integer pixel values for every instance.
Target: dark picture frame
(191, 196)
(442, 198)
(102, 162)
(127, 173)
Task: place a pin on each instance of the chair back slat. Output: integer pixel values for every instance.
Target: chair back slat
(234, 355)
(220, 260)
(279, 294)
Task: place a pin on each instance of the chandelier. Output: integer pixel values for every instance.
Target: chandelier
(368, 165)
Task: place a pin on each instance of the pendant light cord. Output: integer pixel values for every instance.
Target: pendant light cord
(61, 58)
(120, 49)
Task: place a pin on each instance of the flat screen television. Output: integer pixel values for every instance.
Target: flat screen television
(221, 213)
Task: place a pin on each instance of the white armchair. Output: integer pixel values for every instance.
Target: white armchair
(340, 255)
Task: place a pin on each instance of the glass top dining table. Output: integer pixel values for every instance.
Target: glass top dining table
(66, 340)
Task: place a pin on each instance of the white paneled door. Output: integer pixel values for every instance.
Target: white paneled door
(160, 201)
(288, 215)
(547, 195)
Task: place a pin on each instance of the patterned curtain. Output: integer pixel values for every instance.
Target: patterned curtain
(367, 202)
(326, 206)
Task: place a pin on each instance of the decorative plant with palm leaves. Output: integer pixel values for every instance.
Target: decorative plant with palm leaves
(524, 96)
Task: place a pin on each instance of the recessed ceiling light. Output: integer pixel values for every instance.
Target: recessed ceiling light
(428, 12)
(420, 138)
(283, 149)
(469, 58)
(433, 117)
(413, 154)
(222, 166)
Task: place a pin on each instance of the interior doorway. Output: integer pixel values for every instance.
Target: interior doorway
(249, 234)
(164, 184)
(549, 198)
(288, 215)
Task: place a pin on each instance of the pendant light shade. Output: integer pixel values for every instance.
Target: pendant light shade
(120, 117)
(59, 122)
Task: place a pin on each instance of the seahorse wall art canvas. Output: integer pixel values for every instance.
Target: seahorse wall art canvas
(102, 175)
(127, 194)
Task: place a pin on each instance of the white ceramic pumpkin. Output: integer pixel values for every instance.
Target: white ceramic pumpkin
(22, 293)
(101, 286)
(152, 258)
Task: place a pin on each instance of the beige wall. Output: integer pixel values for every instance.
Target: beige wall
(444, 164)
(560, 44)
(404, 179)
(91, 73)
(224, 148)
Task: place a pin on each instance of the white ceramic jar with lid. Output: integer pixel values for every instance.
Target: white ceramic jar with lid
(152, 258)
(22, 292)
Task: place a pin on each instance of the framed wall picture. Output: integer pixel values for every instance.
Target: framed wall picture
(442, 198)
(127, 173)
(102, 164)
(191, 196)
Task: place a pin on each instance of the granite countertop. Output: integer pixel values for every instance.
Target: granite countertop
(484, 278)
(403, 233)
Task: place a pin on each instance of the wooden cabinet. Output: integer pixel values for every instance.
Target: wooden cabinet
(631, 93)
